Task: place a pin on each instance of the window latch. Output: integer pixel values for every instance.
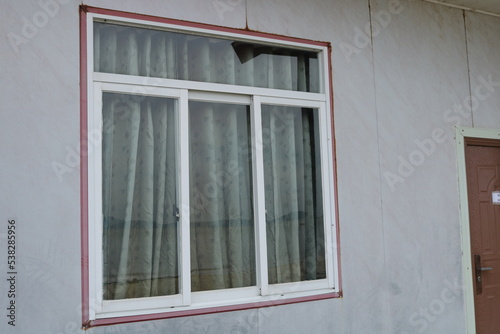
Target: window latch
(177, 213)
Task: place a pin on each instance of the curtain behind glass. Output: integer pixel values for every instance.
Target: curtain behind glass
(222, 226)
(139, 167)
(140, 257)
(294, 209)
(155, 53)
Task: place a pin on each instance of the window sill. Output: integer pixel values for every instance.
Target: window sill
(210, 308)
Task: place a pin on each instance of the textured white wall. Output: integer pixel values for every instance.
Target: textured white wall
(39, 66)
(401, 82)
(484, 62)
(420, 73)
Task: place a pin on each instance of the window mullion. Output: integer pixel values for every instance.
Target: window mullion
(259, 200)
(184, 221)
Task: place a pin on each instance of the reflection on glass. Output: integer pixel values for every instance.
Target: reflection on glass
(293, 194)
(222, 228)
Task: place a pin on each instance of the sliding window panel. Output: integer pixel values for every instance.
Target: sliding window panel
(293, 194)
(139, 185)
(221, 197)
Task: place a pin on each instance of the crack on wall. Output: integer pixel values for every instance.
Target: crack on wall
(385, 323)
(246, 15)
(468, 66)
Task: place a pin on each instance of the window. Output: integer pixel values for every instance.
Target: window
(210, 182)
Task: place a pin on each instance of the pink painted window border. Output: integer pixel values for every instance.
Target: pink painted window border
(86, 321)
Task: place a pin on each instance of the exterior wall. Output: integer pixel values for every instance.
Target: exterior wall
(398, 95)
(421, 73)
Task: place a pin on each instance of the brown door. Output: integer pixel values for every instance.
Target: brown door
(483, 179)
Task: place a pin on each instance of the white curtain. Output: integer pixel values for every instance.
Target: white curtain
(294, 213)
(222, 228)
(154, 53)
(139, 197)
(140, 168)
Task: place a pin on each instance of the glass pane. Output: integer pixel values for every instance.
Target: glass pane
(293, 194)
(222, 228)
(139, 169)
(162, 54)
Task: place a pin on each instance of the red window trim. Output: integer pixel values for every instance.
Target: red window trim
(83, 168)
(211, 310)
(86, 321)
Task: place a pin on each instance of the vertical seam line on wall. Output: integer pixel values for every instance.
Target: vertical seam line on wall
(378, 150)
(468, 66)
(468, 9)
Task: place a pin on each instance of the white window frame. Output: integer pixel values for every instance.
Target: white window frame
(185, 91)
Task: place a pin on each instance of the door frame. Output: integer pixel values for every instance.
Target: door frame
(461, 134)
